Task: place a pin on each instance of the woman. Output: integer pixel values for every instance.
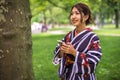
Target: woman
(80, 51)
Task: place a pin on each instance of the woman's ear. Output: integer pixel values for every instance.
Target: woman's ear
(85, 17)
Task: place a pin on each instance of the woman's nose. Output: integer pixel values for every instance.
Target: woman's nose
(73, 16)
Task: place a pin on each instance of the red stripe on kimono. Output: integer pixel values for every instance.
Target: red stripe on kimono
(87, 57)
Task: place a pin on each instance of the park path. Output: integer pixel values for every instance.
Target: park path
(110, 34)
(58, 32)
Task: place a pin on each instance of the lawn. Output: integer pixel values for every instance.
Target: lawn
(44, 45)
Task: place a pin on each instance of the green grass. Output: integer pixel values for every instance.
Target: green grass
(44, 45)
(108, 69)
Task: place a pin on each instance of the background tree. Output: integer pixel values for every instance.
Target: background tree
(114, 5)
(39, 9)
(15, 40)
(106, 10)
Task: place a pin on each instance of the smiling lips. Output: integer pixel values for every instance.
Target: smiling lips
(74, 21)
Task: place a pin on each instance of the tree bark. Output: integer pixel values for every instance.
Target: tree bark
(15, 40)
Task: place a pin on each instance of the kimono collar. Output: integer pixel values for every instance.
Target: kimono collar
(87, 29)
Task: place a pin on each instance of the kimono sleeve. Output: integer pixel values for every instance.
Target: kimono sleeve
(57, 59)
(87, 62)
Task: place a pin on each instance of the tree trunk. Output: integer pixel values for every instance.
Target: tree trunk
(116, 18)
(15, 40)
(44, 18)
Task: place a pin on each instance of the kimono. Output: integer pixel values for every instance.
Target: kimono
(83, 65)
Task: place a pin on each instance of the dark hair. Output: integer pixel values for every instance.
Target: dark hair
(85, 9)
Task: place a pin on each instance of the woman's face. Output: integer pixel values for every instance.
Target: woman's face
(75, 17)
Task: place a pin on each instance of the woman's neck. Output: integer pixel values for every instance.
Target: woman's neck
(80, 28)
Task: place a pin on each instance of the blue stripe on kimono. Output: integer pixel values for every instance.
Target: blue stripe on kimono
(87, 57)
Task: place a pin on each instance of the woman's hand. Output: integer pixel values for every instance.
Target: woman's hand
(68, 49)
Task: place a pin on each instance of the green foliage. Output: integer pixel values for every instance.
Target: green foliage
(44, 45)
(39, 7)
(47, 8)
(104, 8)
(57, 11)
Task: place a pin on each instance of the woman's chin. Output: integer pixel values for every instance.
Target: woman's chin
(75, 24)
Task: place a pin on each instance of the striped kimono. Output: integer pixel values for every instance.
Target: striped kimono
(87, 57)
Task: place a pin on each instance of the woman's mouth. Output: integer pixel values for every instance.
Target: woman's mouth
(74, 21)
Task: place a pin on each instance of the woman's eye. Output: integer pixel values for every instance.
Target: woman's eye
(74, 13)
(71, 13)
(77, 13)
